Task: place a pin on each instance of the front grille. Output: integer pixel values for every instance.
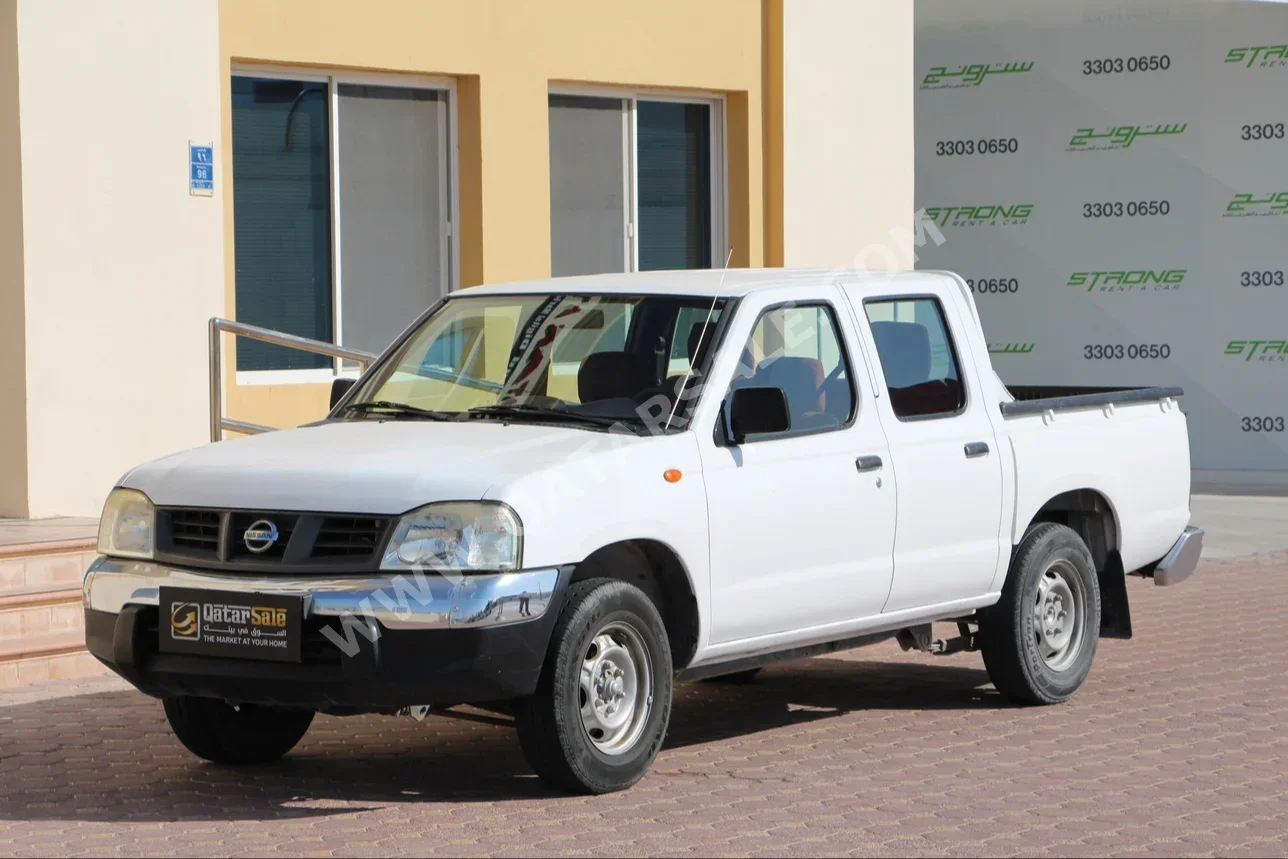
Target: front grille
(216, 539)
(195, 530)
(349, 537)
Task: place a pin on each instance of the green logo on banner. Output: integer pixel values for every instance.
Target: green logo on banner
(944, 77)
(1011, 348)
(1120, 137)
(1255, 205)
(978, 216)
(1264, 57)
(1129, 281)
(1261, 350)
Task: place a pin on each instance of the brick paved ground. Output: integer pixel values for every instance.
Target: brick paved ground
(1177, 745)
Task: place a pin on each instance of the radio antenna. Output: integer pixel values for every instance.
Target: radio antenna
(697, 350)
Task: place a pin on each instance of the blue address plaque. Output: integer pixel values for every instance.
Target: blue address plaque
(201, 169)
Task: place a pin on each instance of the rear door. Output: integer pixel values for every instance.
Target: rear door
(942, 444)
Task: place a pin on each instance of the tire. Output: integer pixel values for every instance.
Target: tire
(737, 678)
(1020, 635)
(245, 734)
(607, 630)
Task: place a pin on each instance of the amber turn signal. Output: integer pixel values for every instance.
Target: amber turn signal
(672, 475)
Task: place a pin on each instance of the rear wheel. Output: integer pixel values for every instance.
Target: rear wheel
(1039, 640)
(235, 734)
(602, 705)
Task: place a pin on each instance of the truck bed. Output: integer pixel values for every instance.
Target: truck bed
(1134, 454)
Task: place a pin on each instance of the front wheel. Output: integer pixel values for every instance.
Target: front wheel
(602, 704)
(235, 734)
(1039, 640)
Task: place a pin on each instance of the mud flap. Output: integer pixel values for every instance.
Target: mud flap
(1115, 614)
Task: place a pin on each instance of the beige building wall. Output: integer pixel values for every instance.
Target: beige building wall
(122, 267)
(847, 106)
(110, 270)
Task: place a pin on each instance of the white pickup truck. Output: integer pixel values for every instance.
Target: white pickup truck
(558, 498)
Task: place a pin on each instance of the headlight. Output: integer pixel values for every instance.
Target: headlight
(127, 529)
(457, 536)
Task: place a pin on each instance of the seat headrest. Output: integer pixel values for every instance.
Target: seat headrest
(800, 379)
(695, 337)
(610, 375)
(904, 348)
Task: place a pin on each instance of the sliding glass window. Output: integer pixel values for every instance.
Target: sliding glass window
(282, 217)
(634, 184)
(342, 208)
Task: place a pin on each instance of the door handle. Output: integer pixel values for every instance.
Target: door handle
(976, 448)
(868, 463)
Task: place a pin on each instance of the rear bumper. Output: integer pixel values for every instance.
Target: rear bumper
(1179, 564)
(455, 649)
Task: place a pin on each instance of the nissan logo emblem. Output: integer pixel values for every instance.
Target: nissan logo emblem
(260, 536)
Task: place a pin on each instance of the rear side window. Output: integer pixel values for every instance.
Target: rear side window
(917, 357)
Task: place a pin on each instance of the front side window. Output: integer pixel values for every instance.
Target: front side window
(341, 207)
(917, 357)
(631, 184)
(798, 349)
(598, 359)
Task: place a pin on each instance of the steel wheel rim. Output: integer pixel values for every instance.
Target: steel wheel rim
(615, 688)
(1059, 615)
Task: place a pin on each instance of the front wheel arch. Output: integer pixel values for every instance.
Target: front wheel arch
(657, 570)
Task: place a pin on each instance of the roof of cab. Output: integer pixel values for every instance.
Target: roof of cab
(732, 282)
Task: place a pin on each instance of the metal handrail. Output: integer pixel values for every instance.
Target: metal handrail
(219, 423)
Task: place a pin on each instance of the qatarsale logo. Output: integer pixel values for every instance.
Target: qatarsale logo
(1167, 280)
(1016, 214)
(1257, 206)
(1268, 351)
(1264, 57)
(944, 77)
(1121, 136)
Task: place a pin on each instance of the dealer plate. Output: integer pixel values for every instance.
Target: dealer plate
(237, 625)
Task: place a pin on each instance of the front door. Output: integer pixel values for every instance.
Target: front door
(800, 537)
(944, 451)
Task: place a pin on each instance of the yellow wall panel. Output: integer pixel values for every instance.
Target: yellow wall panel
(504, 55)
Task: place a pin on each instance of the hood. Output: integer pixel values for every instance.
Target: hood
(373, 467)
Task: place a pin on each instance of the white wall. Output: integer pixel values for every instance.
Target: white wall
(123, 267)
(848, 133)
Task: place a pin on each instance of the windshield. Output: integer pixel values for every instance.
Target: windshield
(585, 358)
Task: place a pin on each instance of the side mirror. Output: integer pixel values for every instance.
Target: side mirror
(758, 410)
(340, 387)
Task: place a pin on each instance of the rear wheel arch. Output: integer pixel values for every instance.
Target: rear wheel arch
(1093, 517)
(657, 570)
(1090, 513)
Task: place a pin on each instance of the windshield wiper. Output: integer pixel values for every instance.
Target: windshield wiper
(527, 410)
(400, 409)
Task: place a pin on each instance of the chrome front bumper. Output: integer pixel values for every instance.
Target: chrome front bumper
(1179, 564)
(396, 601)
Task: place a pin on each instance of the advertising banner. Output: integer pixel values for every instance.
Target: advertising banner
(1113, 182)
